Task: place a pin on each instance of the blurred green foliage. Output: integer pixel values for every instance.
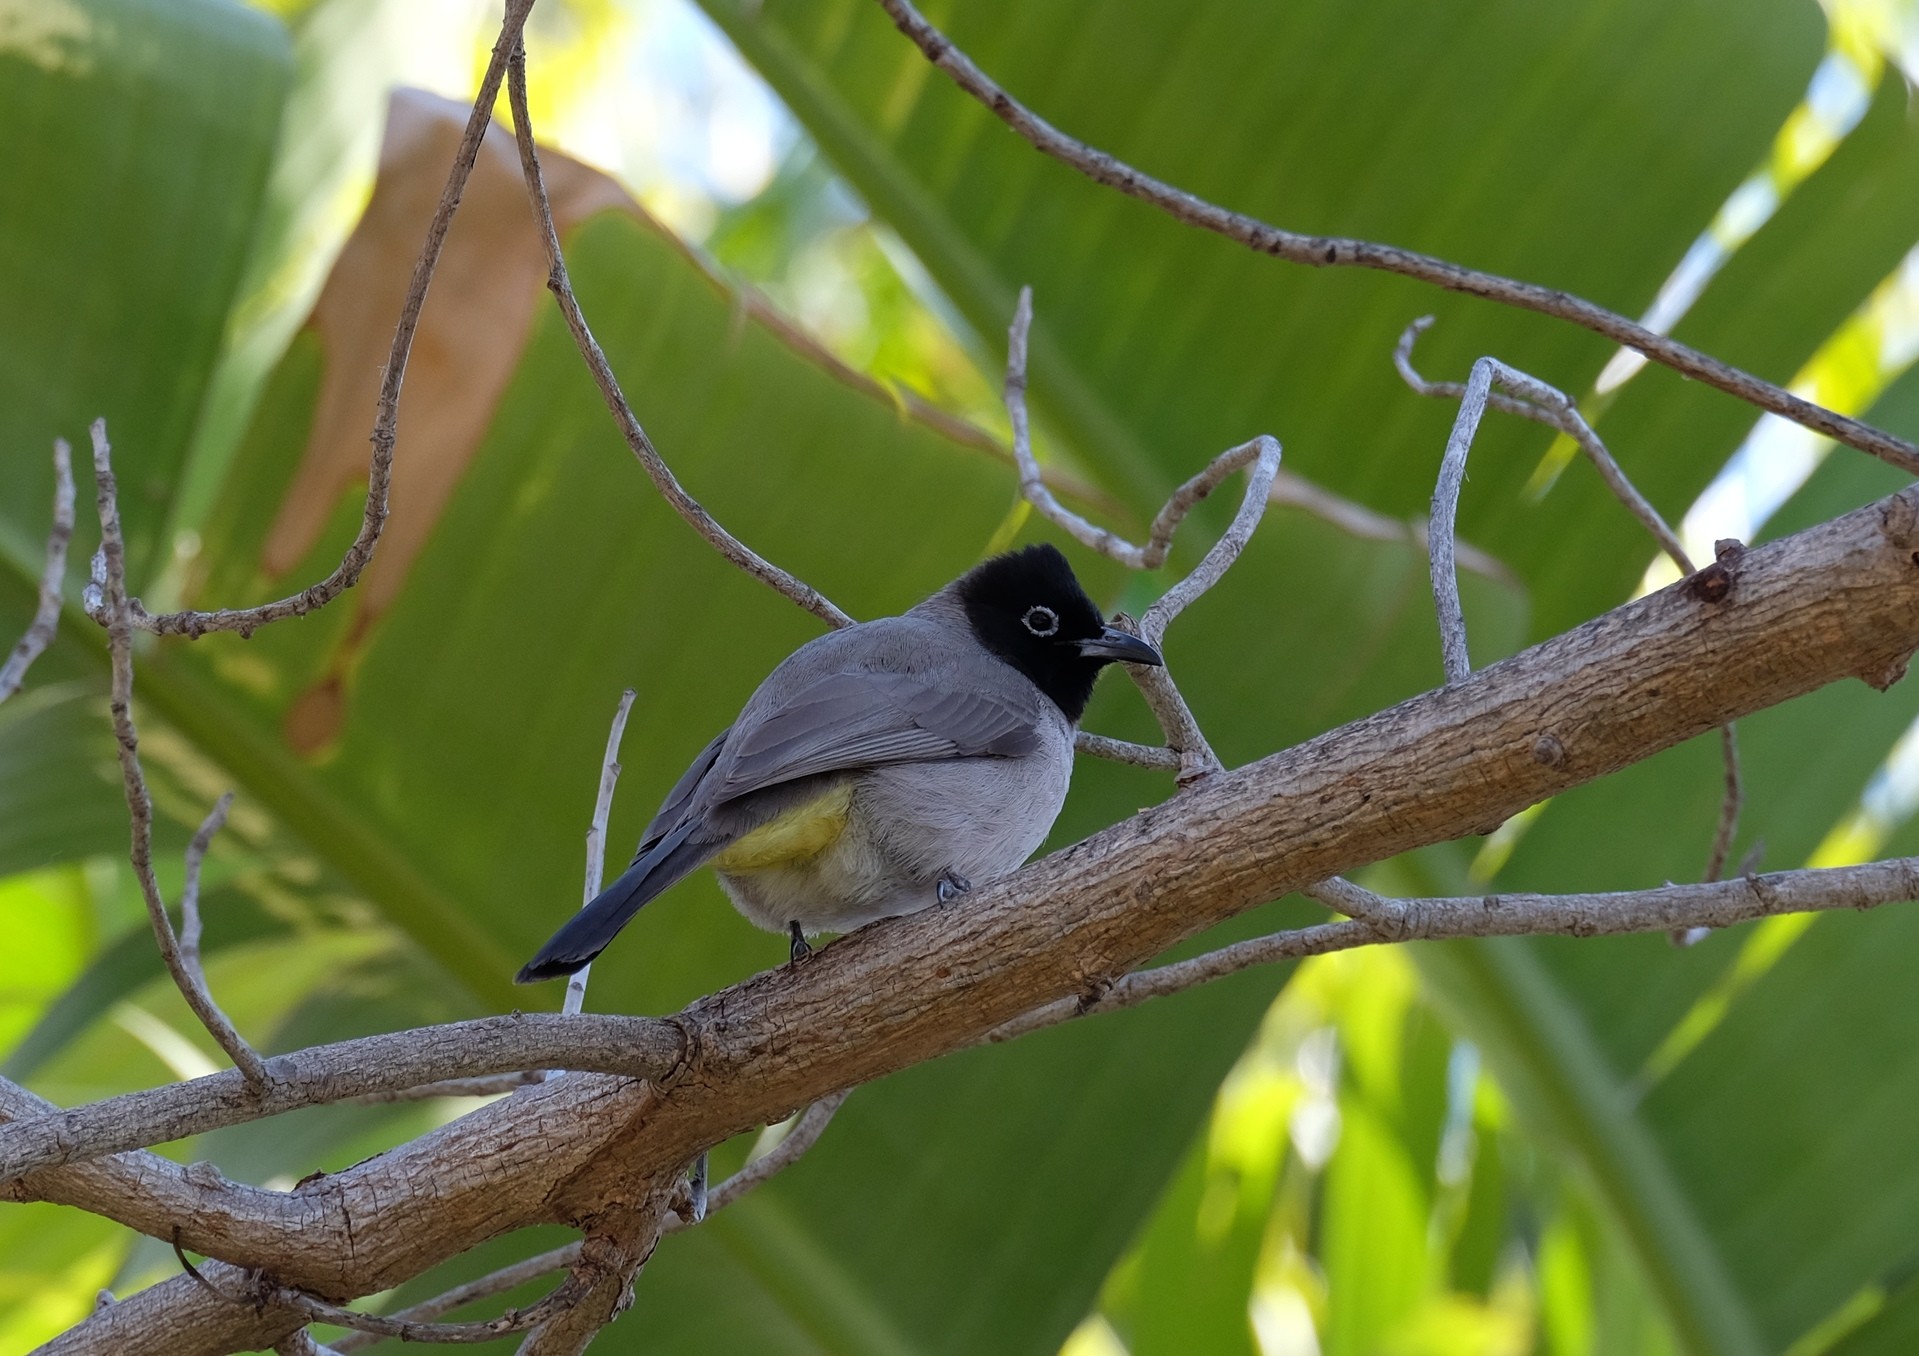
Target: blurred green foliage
(1592, 1147)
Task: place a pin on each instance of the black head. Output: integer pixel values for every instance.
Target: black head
(1027, 608)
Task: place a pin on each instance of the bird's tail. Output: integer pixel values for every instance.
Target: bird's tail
(587, 932)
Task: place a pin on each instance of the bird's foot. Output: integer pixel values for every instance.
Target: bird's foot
(951, 887)
(800, 948)
(690, 1201)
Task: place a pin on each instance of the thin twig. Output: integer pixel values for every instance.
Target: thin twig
(1379, 920)
(1125, 751)
(682, 503)
(1732, 798)
(1533, 399)
(1729, 805)
(492, 1085)
(246, 620)
(1034, 489)
(190, 889)
(1355, 901)
(1445, 511)
(484, 1287)
(1333, 251)
(1186, 748)
(1193, 758)
(110, 565)
(806, 1132)
(1543, 404)
(317, 1310)
(1262, 454)
(596, 838)
(46, 616)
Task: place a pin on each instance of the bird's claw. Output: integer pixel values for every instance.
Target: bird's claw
(800, 948)
(951, 887)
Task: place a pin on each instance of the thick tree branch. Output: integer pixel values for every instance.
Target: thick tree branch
(1838, 600)
(1333, 251)
(803, 1135)
(639, 1046)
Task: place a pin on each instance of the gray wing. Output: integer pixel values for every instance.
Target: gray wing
(842, 721)
(674, 806)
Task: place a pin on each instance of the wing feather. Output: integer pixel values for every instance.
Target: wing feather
(861, 718)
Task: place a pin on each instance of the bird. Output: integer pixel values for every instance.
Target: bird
(882, 768)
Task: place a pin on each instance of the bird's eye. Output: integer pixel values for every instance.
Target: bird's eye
(1041, 621)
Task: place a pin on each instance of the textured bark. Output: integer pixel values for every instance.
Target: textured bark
(1839, 600)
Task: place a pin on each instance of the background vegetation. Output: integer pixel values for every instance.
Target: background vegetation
(1530, 1145)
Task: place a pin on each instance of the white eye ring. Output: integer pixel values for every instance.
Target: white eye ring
(1042, 621)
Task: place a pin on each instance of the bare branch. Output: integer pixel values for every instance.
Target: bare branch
(596, 835)
(1034, 489)
(316, 1310)
(682, 503)
(112, 594)
(805, 1133)
(1840, 599)
(623, 1238)
(1333, 251)
(1354, 901)
(1125, 751)
(492, 1085)
(1194, 757)
(178, 1317)
(1183, 736)
(1729, 806)
(246, 620)
(1262, 455)
(1445, 512)
(484, 1287)
(1186, 748)
(1375, 919)
(46, 616)
(640, 1047)
(1535, 400)
(190, 890)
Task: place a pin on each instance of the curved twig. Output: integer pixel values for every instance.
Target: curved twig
(689, 509)
(110, 593)
(1533, 399)
(46, 616)
(1334, 251)
(247, 620)
(1186, 752)
(1530, 398)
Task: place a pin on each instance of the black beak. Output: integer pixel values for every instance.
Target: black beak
(1113, 643)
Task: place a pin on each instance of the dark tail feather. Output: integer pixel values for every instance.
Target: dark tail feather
(587, 932)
